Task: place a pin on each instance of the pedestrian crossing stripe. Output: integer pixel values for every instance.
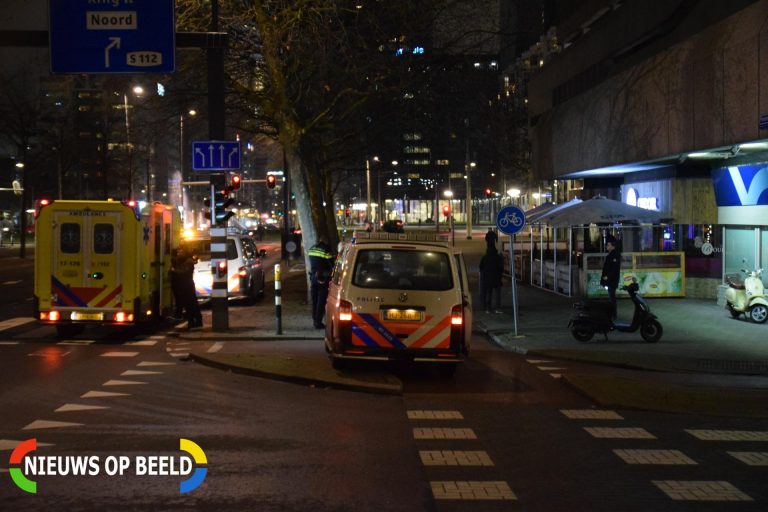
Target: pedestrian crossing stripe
(79, 407)
(41, 424)
(102, 394)
(15, 322)
(115, 382)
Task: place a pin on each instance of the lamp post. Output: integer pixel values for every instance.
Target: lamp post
(128, 145)
(368, 210)
(449, 195)
(469, 199)
(138, 91)
(183, 199)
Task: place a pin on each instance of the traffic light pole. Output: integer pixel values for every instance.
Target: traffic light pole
(219, 299)
(217, 131)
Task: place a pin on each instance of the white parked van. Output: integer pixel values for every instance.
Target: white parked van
(393, 296)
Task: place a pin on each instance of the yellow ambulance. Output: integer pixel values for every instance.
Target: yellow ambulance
(103, 262)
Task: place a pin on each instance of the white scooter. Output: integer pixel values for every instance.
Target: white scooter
(747, 296)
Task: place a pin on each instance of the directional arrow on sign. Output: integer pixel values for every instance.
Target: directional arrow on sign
(114, 42)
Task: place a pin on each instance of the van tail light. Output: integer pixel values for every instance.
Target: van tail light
(242, 272)
(345, 311)
(51, 316)
(121, 317)
(457, 326)
(457, 315)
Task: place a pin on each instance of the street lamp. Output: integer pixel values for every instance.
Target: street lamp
(138, 91)
(449, 195)
(190, 113)
(471, 166)
(368, 211)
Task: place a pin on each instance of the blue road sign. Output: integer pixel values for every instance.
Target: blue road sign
(510, 220)
(112, 36)
(215, 155)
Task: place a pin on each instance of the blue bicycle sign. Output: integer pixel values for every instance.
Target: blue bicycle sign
(510, 220)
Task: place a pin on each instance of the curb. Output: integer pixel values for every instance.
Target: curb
(301, 370)
(618, 391)
(653, 394)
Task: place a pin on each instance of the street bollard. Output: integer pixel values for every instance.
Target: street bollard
(278, 300)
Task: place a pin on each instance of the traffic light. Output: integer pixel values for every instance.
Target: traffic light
(234, 182)
(217, 205)
(446, 210)
(488, 192)
(271, 181)
(221, 203)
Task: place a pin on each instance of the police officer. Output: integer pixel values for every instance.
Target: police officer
(321, 264)
(611, 271)
(183, 285)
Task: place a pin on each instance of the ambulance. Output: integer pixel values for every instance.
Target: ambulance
(103, 262)
(399, 296)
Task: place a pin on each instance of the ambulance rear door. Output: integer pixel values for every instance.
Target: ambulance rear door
(86, 268)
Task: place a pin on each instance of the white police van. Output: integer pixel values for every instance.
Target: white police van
(399, 296)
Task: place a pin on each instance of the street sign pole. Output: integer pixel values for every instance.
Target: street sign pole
(510, 220)
(514, 279)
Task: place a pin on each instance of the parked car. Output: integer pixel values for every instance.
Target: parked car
(245, 270)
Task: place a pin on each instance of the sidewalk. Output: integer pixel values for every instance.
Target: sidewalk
(706, 362)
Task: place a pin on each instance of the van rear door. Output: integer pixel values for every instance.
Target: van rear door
(85, 267)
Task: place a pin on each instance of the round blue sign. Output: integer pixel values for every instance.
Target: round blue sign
(510, 220)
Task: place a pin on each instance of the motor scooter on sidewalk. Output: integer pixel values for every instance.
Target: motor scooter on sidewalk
(747, 296)
(593, 316)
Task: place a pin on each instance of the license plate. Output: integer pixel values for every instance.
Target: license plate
(403, 315)
(87, 316)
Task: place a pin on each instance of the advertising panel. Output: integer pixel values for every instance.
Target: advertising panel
(659, 274)
(742, 185)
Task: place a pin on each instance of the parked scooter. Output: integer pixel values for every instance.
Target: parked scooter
(590, 317)
(747, 296)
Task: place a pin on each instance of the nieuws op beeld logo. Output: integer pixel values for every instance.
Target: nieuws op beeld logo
(25, 465)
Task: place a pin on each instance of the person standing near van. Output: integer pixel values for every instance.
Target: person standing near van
(183, 286)
(491, 237)
(321, 264)
(611, 271)
(491, 273)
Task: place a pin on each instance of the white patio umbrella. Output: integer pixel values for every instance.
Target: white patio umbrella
(598, 210)
(540, 217)
(538, 211)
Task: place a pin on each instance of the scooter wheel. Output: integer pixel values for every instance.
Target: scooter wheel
(582, 333)
(651, 330)
(733, 312)
(758, 313)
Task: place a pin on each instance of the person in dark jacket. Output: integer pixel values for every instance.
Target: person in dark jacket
(611, 271)
(321, 265)
(491, 237)
(183, 286)
(491, 273)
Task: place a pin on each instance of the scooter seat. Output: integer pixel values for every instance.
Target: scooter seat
(733, 283)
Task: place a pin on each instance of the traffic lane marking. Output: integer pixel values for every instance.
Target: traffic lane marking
(443, 433)
(472, 490)
(701, 490)
(658, 457)
(455, 458)
(619, 433)
(434, 415)
(729, 435)
(751, 458)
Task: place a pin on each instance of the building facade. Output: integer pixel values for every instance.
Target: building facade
(663, 105)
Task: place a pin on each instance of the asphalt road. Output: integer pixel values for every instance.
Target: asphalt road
(506, 432)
